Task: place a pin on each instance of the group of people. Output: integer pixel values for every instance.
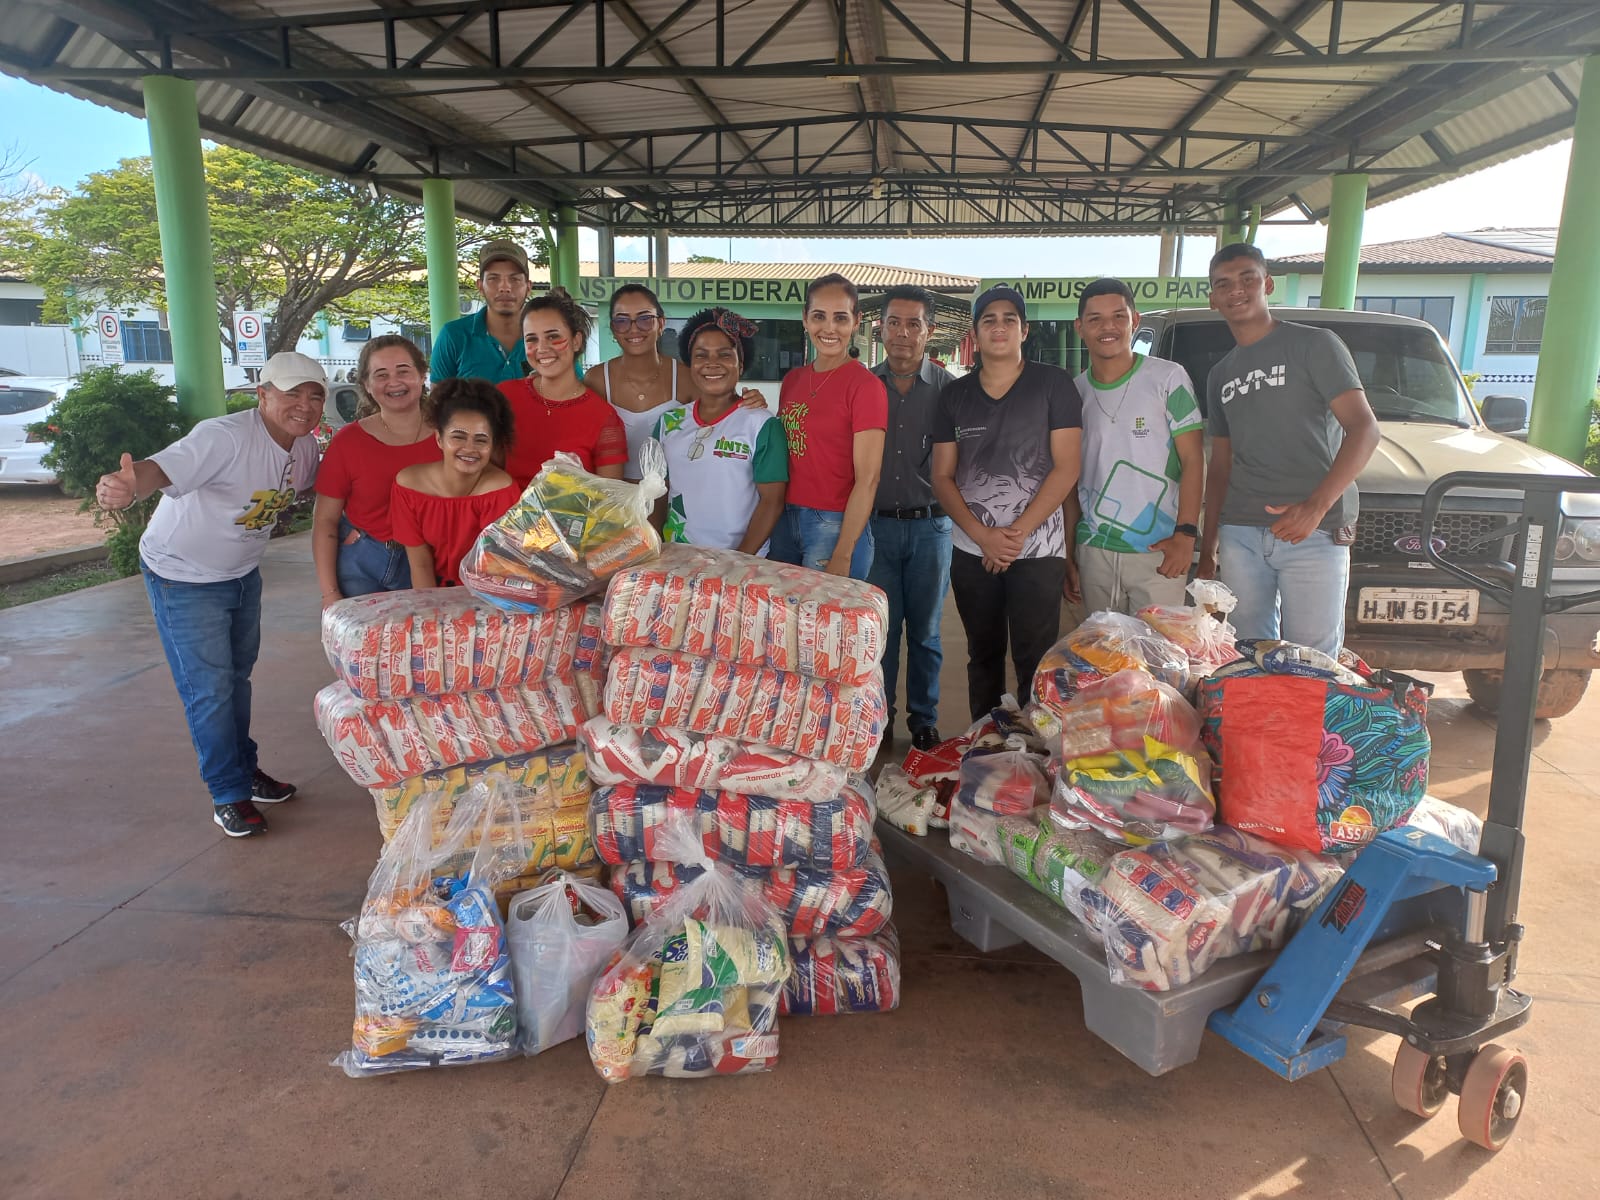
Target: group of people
(1012, 487)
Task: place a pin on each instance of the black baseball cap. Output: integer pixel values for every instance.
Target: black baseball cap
(1000, 291)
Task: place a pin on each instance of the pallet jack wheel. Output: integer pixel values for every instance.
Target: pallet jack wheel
(1419, 1081)
(1493, 1096)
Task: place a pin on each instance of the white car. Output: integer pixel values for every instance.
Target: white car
(24, 400)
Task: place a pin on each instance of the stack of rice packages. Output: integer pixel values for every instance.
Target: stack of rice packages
(439, 688)
(747, 696)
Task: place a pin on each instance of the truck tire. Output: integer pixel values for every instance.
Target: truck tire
(1559, 691)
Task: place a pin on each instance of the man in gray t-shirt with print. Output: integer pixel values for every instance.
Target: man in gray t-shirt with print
(1291, 429)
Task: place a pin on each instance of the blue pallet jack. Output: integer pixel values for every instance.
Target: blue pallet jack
(1417, 916)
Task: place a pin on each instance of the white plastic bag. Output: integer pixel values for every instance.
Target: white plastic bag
(561, 934)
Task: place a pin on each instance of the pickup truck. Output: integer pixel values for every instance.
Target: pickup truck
(1402, 612)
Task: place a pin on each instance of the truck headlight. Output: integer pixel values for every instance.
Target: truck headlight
(1578, 543)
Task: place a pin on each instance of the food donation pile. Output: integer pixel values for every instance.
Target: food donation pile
(742, 701)
(1185, 796)
(727, 707)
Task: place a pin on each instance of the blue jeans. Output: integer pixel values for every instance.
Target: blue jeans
(911, 563)
(212, 633)
(807, 536)
(1306, 583)
(366, 565)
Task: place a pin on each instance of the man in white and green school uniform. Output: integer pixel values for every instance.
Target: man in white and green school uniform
(1132, 524)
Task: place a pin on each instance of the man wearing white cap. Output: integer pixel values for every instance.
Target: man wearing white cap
(223, 485)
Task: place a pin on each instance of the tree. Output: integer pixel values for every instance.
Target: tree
(705, 258)
(284, 241)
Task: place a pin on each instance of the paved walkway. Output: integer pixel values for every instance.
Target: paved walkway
(169, 1001)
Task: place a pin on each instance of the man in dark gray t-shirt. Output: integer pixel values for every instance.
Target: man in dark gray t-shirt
(1291, 428)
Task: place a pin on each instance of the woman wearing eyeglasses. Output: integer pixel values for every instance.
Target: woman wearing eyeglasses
(554, 411)
(641, 382)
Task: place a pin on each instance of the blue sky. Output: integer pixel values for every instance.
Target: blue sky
(61, 139)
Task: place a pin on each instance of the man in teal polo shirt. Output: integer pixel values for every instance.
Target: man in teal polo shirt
(488, 344)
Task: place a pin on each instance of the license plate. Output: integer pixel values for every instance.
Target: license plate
(1417, 606)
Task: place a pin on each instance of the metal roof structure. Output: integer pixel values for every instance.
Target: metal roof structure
(1481, 249)
(866, 276)
(846, 117)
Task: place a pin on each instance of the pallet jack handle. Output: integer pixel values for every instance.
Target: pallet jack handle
(1527, 596)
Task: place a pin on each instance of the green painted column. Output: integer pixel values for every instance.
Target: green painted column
(566, 256)
(1291, 290)
(1232, 229)
(1569, 352)
(1471, 330)
(444, 269)
(179, 173)
(1342, 259)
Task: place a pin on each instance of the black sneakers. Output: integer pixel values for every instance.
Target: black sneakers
(239, 820)
(267, 790)
(925, 737)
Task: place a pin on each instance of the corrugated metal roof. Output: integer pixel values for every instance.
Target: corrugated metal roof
(866, 276)
(1480, 248)
(583, 111)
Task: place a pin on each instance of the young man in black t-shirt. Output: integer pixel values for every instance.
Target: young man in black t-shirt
(1007, 441)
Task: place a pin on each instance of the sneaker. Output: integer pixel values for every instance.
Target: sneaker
(925, 737)
(267, 790)
(239, 820)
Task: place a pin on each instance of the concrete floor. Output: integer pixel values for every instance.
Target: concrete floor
(169, 1002)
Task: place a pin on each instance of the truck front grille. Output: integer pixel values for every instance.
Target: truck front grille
(1377, 530)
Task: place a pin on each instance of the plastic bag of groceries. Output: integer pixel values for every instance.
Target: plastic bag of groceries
(1004, 782)
(1136, 796)
(904, 803)
(568, 535)
(1462, 829)
(561, 934)
(982, 835)
(1202, 628)
(432, 972)
(1167, 912)
(679, 758)
(1119, 713)
(695, 991)
(851, 903)
(743, 609)
(843, 975)
(1104, 644)
(1312, 753)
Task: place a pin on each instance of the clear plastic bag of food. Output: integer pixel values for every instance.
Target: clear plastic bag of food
(1119, 713)
(983, 835)
(568, 535)
(903, 803)
(432, 969)
(695, 991)
(1004, 782)
(1454, 824)
(1168, 912)
(1202, 628)
(679, 758)
(1136, 796)
(1104, 644)
(561, 934)
(843, 975)
(749, 610)
(555, 777)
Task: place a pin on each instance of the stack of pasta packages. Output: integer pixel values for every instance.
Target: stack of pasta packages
(438, 689)
(747, 695)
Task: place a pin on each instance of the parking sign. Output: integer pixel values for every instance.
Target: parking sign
(250, 338)
(109, 326)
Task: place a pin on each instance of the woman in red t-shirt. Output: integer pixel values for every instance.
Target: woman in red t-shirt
(554, 410)
(834, 412)
(352, 541)
(441, 507)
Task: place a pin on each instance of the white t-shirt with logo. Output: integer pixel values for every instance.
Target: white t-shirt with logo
(1128, 489)
(712, 472)
(230, 481)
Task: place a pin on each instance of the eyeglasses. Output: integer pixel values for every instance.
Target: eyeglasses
(644, 322)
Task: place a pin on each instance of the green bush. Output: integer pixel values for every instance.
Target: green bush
(241, 401)
(108, 413)
(1591, 451)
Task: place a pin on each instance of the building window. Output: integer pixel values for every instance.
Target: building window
(1516, 325)
(420, 336)
(354, 332)
(21, 312)
(1435, 310)
(145, 342)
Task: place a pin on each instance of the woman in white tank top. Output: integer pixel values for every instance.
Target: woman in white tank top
(641, 383)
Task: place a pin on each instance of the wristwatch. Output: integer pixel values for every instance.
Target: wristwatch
(1187, 529)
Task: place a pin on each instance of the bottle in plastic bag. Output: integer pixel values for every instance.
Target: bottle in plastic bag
(695, 992)
(561, 934)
